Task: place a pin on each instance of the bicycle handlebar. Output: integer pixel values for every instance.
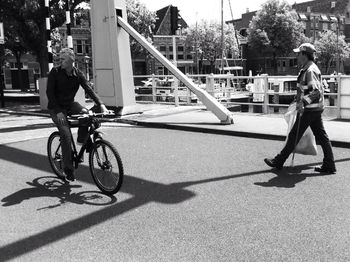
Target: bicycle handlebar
(92, 114)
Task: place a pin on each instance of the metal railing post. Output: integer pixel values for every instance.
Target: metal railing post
(189, 96)
(211, 84)
(339, 96)
(228, 86)
(176, 91)
(154, 91)
(188, 93)
(266, 96)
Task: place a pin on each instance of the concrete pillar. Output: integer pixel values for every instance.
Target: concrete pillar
(344, 94)
(112, 65)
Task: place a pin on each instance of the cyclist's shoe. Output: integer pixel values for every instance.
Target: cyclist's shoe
(69, 175)
(325, 170)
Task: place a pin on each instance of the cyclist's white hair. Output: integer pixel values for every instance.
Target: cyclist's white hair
(67, 52)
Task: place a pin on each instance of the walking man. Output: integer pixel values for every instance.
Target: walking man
(62, 86)
(310, 105)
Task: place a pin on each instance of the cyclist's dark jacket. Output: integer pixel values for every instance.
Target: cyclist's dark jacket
(310, 89)
(62, 88)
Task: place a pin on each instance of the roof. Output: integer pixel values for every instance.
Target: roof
(317, 6)
(322, 6)
(160, 17)
(162, 14)
(244, 21)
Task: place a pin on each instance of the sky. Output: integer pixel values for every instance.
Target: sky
(192, 10)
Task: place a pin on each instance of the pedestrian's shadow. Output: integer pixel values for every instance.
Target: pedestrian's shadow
(50, 186)
(289, 177)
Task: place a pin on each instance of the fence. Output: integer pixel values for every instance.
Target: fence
(258, 94)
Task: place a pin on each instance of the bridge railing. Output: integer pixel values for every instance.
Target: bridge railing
(256, 94)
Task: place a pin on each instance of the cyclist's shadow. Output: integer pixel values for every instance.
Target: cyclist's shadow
(50, 186)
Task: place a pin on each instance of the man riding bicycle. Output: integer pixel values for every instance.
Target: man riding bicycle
(62, 86)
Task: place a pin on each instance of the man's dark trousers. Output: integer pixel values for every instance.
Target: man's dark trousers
(66, 138)
(314, 120)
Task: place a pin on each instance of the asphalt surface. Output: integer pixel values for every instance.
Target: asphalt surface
(186, 197)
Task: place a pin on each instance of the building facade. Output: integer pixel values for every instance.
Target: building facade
(316, 16)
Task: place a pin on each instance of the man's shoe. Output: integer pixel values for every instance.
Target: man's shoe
(325, 170)
(70, 175)
(272, 162)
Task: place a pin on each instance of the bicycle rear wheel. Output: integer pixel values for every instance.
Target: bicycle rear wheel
(54, 152)
(106, 167)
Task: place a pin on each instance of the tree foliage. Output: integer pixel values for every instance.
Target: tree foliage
(327, 48)
(25, 19)
(142, 20)
(275, 28)
(205, 38)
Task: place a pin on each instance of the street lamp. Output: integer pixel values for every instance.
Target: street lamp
(87, 61)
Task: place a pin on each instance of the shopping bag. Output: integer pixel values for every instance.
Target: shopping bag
(307, 143)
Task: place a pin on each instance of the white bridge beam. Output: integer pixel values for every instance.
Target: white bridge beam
(210, 102)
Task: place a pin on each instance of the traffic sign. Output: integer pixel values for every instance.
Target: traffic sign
(2, 34)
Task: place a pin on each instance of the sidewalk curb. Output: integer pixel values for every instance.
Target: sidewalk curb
(13, 112)
(187, 128)
(340, 144)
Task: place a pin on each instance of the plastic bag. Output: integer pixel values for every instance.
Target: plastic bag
(307, 143)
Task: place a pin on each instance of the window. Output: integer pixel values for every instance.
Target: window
(180, 48)
(189, 57)
(180, 57)
(303, 17)
(170, 48)
(87, 48)
(324, 18)
(79, 47)
(333, 19)
(171, 57)
(162, 48)
(325, 26)
(160, 70)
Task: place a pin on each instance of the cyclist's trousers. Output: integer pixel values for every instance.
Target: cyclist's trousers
(66, 138)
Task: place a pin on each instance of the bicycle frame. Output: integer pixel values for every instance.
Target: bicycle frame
(91, 131)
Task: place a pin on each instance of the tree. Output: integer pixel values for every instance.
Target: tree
(142, 20)
(205, 42)
(25, 19)
(327, 48)
(275, 28)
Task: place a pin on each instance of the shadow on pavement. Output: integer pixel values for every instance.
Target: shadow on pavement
(142, 192)
(290, 176)
(51, 186)
(27, 127)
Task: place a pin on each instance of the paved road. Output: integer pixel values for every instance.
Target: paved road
(186, 197)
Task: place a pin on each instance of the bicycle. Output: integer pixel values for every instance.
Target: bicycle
(105, 164)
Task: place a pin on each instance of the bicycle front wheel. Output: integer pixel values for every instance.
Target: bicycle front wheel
(54, 152)
(106, 167)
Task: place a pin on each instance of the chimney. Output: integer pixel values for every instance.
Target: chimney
(333, 4)
(308, 9)
(247, 10)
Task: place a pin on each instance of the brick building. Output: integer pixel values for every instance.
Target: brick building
(164, 39)
(316, 16)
